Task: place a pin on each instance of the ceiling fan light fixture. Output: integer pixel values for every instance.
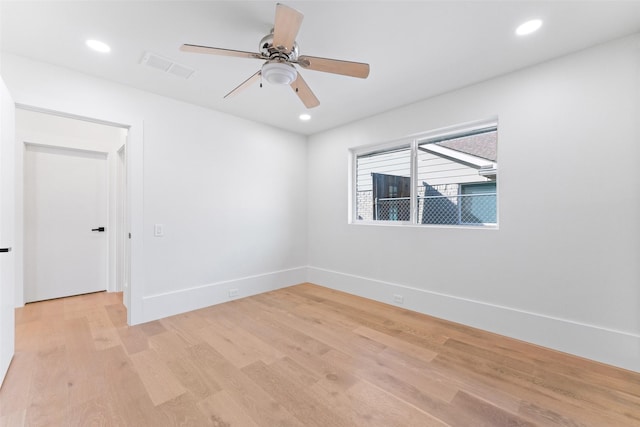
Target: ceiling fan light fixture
(279, 73)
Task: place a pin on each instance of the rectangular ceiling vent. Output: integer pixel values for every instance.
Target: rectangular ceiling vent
(167, 65)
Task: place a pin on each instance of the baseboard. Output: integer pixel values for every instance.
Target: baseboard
(171, 303)
(617, 348)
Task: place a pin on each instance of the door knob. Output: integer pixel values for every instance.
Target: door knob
(99, 229)
(5, 249)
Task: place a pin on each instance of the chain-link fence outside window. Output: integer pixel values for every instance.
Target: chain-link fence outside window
(392, 209)
(462, 209)
(469, 209)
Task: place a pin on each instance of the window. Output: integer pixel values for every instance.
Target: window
(446, 177)
(383, 185)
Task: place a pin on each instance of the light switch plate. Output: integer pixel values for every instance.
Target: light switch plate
(158, 230)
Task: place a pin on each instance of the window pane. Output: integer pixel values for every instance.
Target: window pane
(478, 204)
(456, 179)
(383, 186)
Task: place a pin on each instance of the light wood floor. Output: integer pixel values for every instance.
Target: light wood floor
(299, 356)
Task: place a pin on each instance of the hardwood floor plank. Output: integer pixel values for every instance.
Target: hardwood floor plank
(267, 326)
(48, 394)
(183, 411)
(299, 374)
(118, 314)
(376, 317)
(426, 397)
(257, 403)
(192, 378)
(13, 419)
(94, 412)
(316, 313)
(32, 333)
(153, 328)
(485, 413)
(136, 412)
(525, 388)
(133, 339)
(28, 313)
(51, 308)
(102, 331)
(385, 368)
(297, 400)
(169, 345)
(121, 376)
(222, 411)
(397, 344)
(381, 408)
(238, 346)
(87, 366)
(548, 417)
(297, 347)
(531, 388)
(18, 380)
(326, 332)
(157, 378)
(186, 325)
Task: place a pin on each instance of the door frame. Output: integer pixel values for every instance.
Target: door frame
(121, 241)
(133, 293)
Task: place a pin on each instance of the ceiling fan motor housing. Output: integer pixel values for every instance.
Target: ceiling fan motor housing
(268, 50)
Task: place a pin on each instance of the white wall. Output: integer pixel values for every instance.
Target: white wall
(562, 270)
(45, 129)
(229, 192)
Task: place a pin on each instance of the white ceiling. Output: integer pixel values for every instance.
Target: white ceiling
(416, 49)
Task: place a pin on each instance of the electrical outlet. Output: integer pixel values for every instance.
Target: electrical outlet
(398, 299)
(233, 293)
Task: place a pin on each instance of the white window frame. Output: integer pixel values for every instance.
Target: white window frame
(412, 142)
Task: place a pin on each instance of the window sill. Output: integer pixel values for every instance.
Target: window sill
(426, 226)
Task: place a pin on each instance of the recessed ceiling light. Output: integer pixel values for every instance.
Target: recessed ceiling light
(98, 46)
(529, 27)
(304, 117)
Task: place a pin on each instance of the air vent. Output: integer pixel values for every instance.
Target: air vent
(167, 65)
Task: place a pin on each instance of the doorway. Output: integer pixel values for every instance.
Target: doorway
(78, 153)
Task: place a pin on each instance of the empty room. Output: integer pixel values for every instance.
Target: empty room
(320, 213)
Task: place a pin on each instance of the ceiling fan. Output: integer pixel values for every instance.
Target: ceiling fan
(280, 51)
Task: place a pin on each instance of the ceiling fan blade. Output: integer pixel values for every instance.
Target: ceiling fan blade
(286, 27)
(218, 51)
(335, 66)
(302, 89)
(245, 84)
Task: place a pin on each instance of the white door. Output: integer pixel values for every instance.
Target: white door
(65, 205)
(7, 212)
